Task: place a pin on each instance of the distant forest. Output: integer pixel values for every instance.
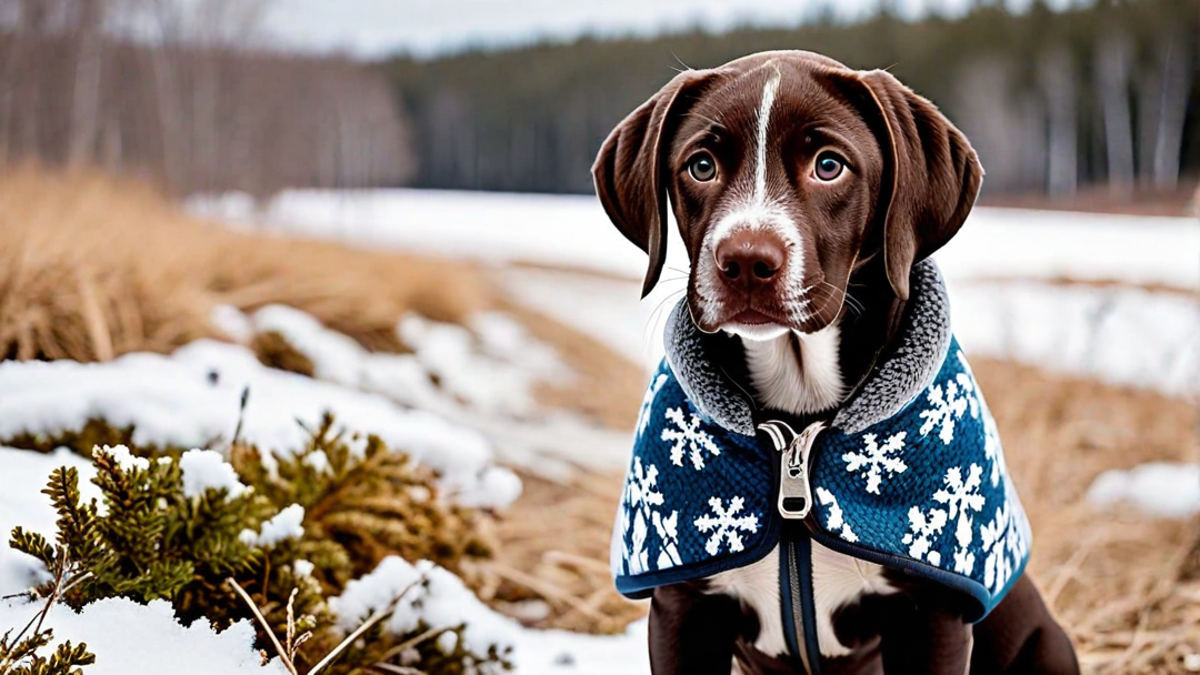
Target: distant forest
(1053, 101)
(195, 109)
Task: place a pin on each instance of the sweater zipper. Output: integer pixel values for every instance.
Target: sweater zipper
(795, 504)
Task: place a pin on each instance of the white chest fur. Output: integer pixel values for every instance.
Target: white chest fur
(800, 374)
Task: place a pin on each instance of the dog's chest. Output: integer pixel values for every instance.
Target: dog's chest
(800, 374)
(838, 581)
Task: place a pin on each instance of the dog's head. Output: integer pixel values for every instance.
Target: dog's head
(787, 171)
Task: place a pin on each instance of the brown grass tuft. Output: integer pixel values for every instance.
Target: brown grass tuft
(92, 267)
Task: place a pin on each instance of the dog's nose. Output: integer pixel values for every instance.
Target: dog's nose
(750, 257)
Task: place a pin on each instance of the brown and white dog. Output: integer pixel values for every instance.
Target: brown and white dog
(803, 189)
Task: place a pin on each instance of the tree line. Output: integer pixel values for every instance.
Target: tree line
(1053, 101)
(190, 106)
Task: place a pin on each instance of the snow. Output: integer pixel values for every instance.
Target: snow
(232, 322)
(22, 503)
(572, 231)
(192, 398)
(287, 524)
(1120, 335)
(1000, 268)
(205, 470)
(1165, 489)
(129, 638)
(444, 601)
(124, 459)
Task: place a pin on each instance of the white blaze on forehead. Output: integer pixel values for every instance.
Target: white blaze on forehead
(764, 120)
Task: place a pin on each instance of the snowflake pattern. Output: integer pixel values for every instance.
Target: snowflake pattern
(991, 448)
(642, 496)
(690, 436)
(648, 402)
(725, 524)
(837, 520)
(924, 527)
(948, 406)
(877, 459)
(1005, 547)
(961, 498)
(667, 529)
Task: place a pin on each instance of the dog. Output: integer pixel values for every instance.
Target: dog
(807, 195)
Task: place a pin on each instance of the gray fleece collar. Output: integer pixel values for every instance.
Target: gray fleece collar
(702, 363)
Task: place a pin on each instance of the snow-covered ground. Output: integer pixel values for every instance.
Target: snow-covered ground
(481, 414)
(131, 639)
(573, 231)
(1000, 268)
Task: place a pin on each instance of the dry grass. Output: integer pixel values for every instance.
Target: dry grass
(92, 267)
(1126, 586)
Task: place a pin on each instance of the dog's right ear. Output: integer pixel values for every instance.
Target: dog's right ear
(629, 170)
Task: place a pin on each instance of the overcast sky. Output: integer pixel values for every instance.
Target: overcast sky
(370, 28)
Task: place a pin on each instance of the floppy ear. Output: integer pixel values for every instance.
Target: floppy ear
(931, 175)
(629, 171)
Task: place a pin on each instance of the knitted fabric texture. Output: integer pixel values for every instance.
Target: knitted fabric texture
(918, 484)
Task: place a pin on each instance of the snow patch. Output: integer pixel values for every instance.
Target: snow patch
(1166, 489)
(192, 399)
(1119, 335)
(287, 524)
(444, 601)
(205, 470)
(129, 638)
(124, 459)
(232, 322)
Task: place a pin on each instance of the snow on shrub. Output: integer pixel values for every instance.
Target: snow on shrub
(247, 539)
(194, 396)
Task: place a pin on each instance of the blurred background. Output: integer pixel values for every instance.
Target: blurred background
(219, 218)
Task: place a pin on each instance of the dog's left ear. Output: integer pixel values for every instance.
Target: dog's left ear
(931, 175)
(629, 169)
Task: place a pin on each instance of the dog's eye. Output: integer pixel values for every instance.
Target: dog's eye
(702, 167)
(829, 166)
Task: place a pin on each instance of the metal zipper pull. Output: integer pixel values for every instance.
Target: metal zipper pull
(795, 490)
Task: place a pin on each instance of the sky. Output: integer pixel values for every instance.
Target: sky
(373, 28)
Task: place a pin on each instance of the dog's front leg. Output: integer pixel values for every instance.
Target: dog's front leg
(691, 632)
(927, 634)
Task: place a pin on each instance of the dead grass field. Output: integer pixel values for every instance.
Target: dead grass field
(91, 268)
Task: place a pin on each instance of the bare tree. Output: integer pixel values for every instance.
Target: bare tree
(1057, 81)
(1112, 69)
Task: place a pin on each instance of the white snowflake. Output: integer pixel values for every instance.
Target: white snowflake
(877, 459)
(641, 496)
(991, 447)
(648, 402)
(688, 436)
(924, 528)
(726, 524)
(667, 530)
(961, 498)
(1005, 546)
(837, 520)
(961, 495)
(966, 382)
(948, 406)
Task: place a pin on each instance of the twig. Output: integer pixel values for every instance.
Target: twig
(283, 655)
(396, 670)
(411, 642)
(545, 589)
(375, 618)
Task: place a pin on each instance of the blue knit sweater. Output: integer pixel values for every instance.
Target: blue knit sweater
(910, 475)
